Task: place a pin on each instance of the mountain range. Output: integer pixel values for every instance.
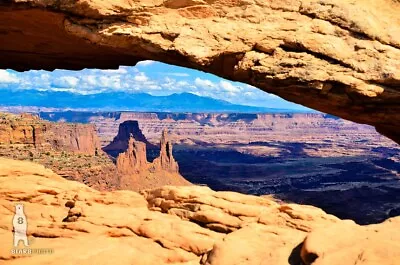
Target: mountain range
(184, 102)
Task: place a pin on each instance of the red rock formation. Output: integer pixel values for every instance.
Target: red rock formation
(137, 173)
(126, 130)
(133, 160)
(76, 138)
(31, 130)
(166, 161)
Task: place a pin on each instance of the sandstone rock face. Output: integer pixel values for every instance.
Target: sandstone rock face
(30, 130)
(177, 225)
(166, 160)
(342, 60)
(126, 130)
(73, 151)
(133, 160)
(136, 172)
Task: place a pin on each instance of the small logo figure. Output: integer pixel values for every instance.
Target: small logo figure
(19, 224)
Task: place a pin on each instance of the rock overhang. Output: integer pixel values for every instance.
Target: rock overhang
(338, 57)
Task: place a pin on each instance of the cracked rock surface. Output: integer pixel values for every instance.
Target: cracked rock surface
(339, 57)
(177, 225)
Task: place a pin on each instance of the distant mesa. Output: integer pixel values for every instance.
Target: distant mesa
(127, 129)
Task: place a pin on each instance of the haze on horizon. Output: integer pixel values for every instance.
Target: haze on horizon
(154, 78)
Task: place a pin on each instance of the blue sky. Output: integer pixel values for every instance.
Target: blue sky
(150, 77)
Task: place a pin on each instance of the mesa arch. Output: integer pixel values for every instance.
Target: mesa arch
(339, 57)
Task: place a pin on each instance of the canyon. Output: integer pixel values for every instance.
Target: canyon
(342, 60)
(306, 158)
(74, 152)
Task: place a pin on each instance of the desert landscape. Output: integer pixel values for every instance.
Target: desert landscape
(307, 158)
(175, 225)
(110, 168)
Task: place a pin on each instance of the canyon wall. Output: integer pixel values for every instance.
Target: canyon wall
(74, 152)
(29, 129)
(220, 128)
(343, 60)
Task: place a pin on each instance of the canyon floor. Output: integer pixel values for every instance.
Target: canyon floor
(70, 223)
(345, 168)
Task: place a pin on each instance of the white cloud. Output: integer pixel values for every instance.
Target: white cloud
(7, 77)
(183, 84)
(204, 83)
(111, 82)
(70, 81)
(227, 86)
(141, 77)
(177, 74)
(145, 63)
(89, 80)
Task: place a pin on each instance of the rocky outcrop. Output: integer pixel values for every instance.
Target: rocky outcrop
(166, 160)
(176, 225)
(126, 130)
(343, 60)
(72, 150)
(29, 129)
(133, 160)
(136, 172)
(131, 145)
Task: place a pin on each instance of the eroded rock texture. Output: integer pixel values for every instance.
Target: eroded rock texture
(136, 172)
(340, 57)
(26, 129)
(133, 159)
(166, 160)
(177, 225)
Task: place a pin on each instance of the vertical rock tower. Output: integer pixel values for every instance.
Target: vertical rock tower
(166, 161)
(133, 160)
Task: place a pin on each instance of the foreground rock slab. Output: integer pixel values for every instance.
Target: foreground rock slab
(76, 224)
(339, 57)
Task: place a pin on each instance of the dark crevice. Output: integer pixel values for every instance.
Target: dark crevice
(295, 258)
(298, 48)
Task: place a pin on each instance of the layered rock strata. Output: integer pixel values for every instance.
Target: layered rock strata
(26, 129)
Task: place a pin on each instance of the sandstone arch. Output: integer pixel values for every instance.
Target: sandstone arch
(340, 57)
